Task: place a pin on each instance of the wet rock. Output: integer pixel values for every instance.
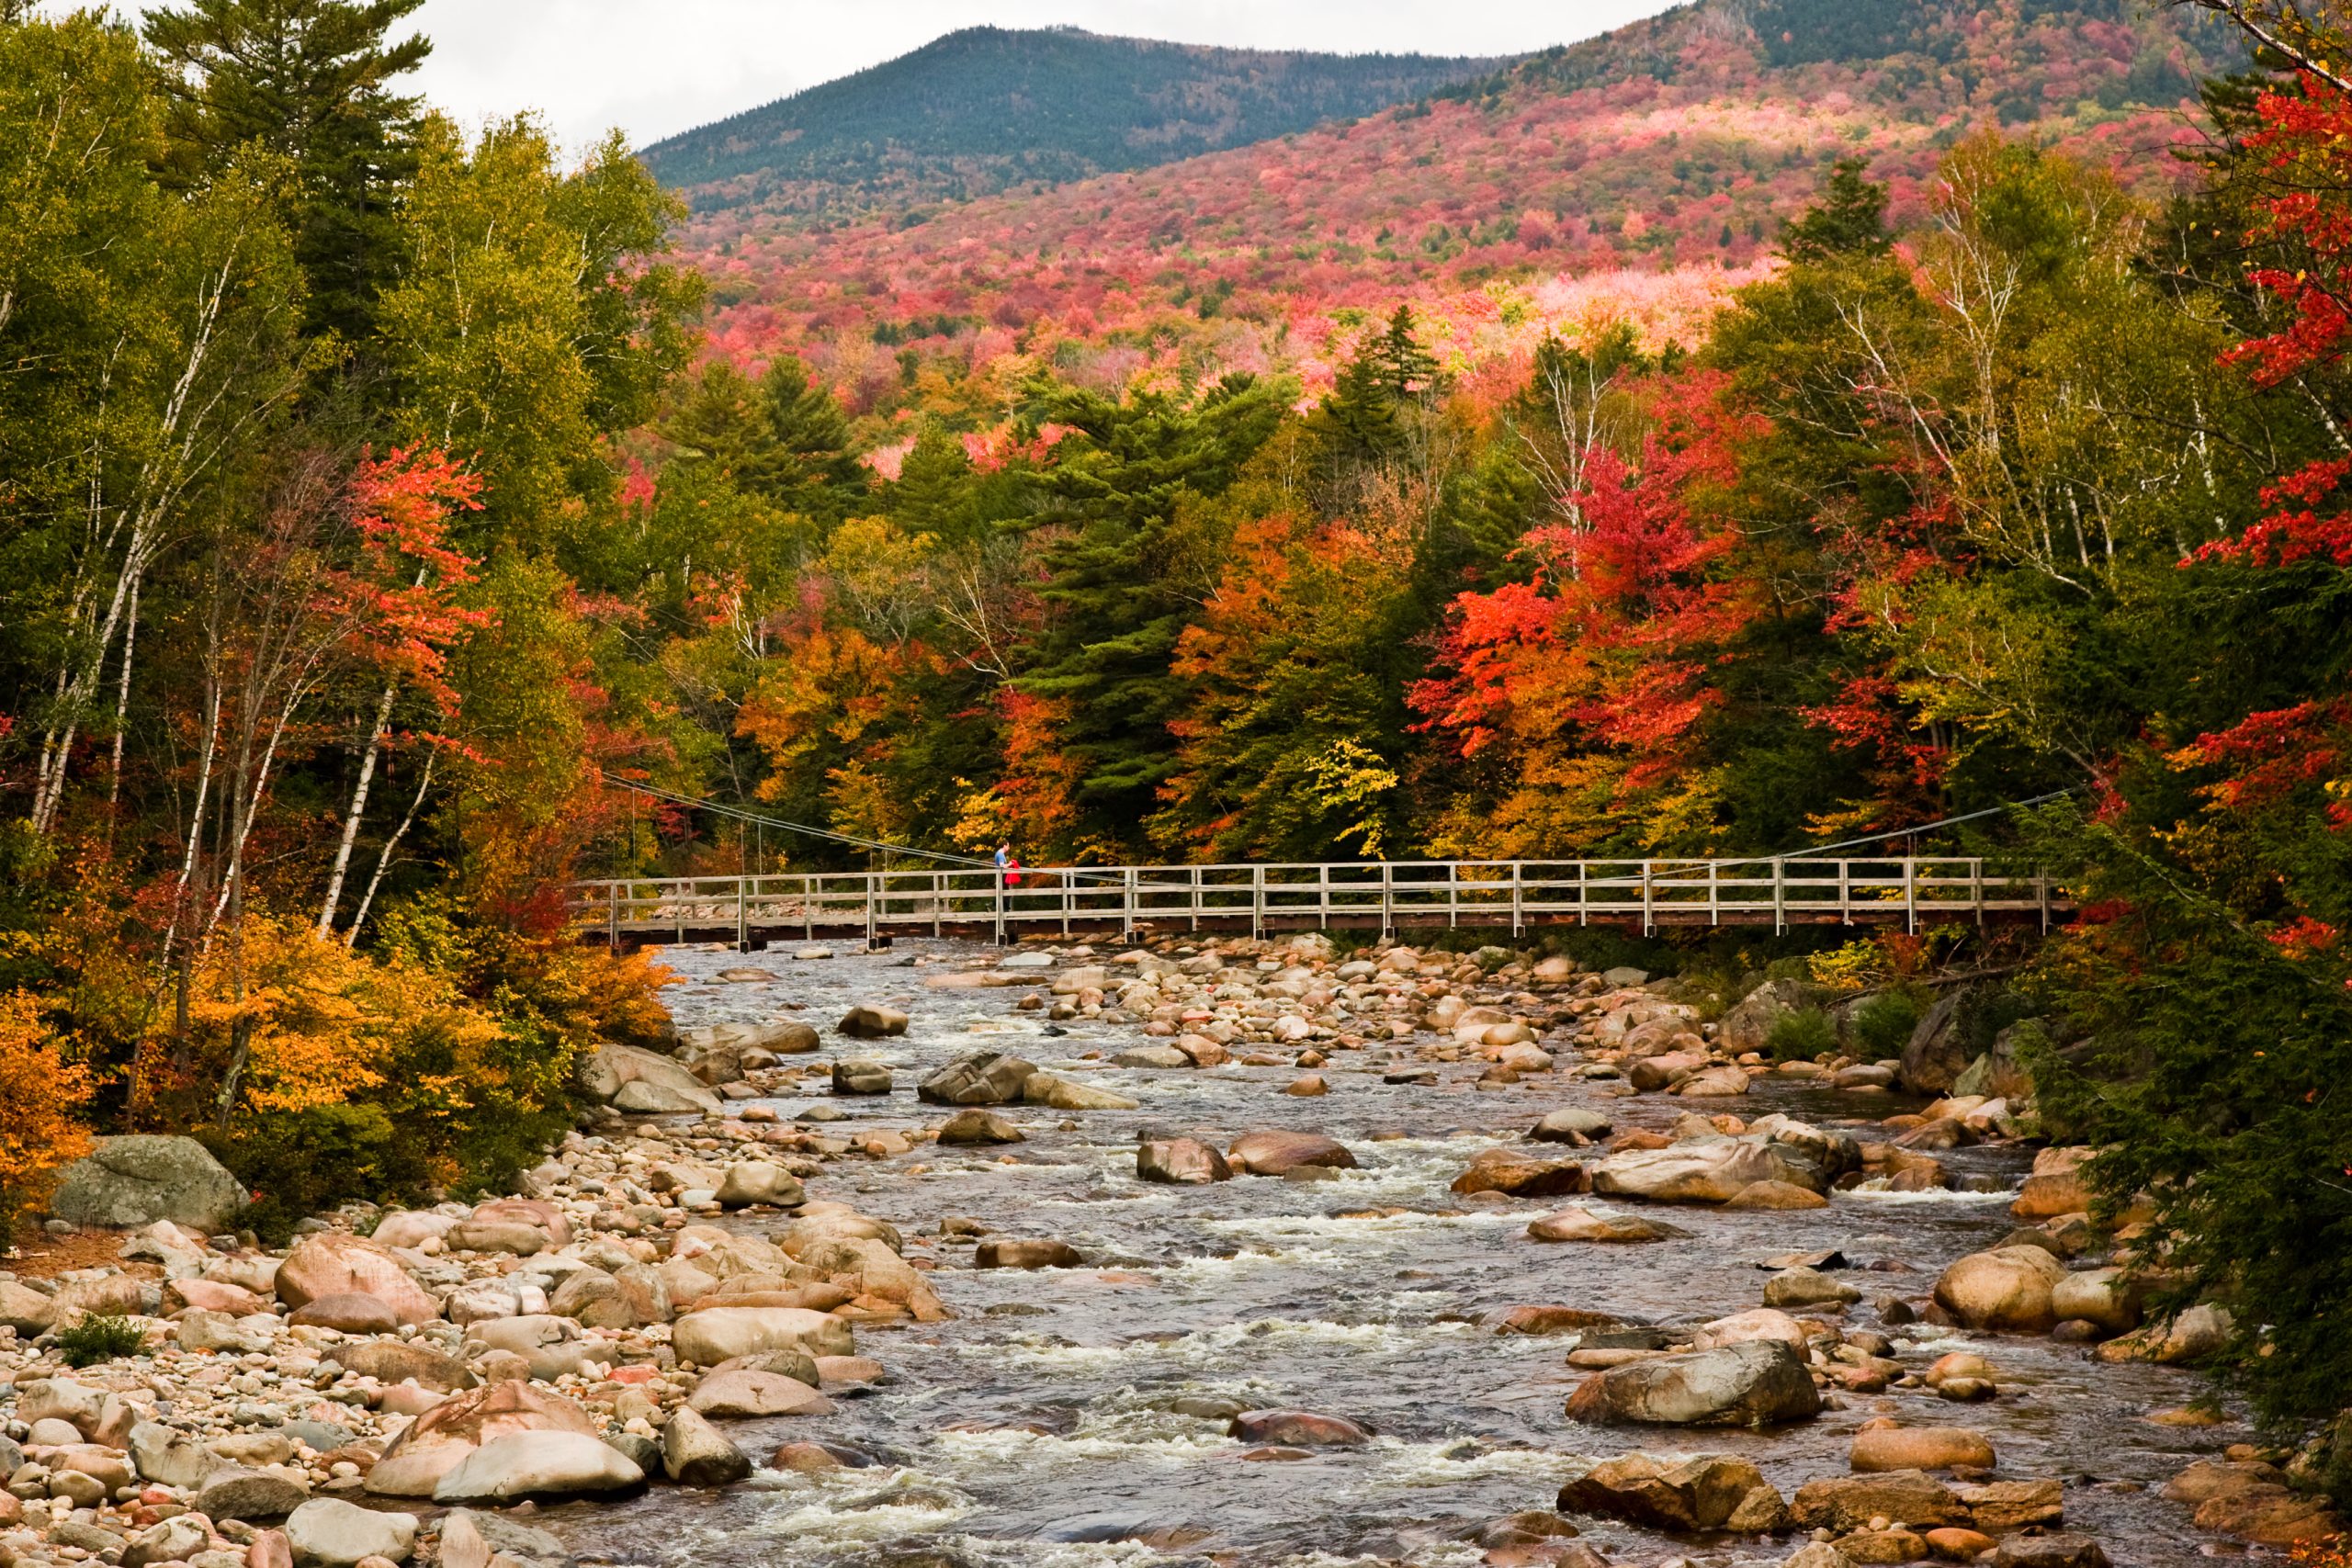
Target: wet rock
(1746, 1327)
(694, 1454)
(2048, 1551)
(1746, 1026)
(1850, 1502)
(860, 1078)
(1500, 1170)
(2097, 1297)
(1570, 1124)
(815, 1457)
(2006, 1289)
(1707, 1491)
(1298, 1429)
(1707, 1171)
(978, 1126)
(1182, 1162)
(1579, 1224)
(1807, 1286)
(744, 1391)
(873, 1022)
(1024, 1252)
(713, 1335)
(1716, 1083)
(135, 1181)
(1310, 1086)
(1758, 1384)
(985, 1078)
(331, 1263)
(1881, 1449)
(1771, 1195)
(2200, 1332)
(2014, 1505)
(538, 1464)
(1067, 1094)
(2055, 1188)
(1955, 1544)
(1278, 1153)
(1547, 1319)
(631, 1080)
(1151, 1056)
(327, 1532)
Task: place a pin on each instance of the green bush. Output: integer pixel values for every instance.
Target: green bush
(299, 1164)
(1883, 1025)
(96, 1338)
(1801, 1035)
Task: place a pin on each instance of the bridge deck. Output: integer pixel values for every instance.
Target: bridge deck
(1372, 894)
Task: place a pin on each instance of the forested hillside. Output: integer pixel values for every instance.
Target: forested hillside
(1644, 174)
(987, 109)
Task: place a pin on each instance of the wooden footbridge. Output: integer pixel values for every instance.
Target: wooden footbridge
(1385, 895)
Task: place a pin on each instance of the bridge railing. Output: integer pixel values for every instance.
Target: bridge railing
(1392, 894)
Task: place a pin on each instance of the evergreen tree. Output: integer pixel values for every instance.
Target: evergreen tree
(307, 81)
(1360, 418)
(1117, 601)
(933, 491)
(782, 437)
(1849, 222)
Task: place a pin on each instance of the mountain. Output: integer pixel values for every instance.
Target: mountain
(985, 110)
(1640, 175)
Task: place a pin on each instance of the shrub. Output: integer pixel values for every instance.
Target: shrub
(42, 1132)
(95, 1338)
(1801, 1034)
(1883, 1025)
(302, 1163)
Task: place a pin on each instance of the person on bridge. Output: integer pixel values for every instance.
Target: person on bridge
(1007, 865)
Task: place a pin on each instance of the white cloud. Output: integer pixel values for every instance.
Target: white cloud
(657, 67)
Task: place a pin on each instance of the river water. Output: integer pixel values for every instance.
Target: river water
(1047, 1424)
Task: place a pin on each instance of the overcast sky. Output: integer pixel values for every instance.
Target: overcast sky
(656, 67)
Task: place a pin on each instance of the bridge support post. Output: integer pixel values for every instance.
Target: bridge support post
(1911, 894)
(1387, 899)
(743, 916)
(1128, 904)
(1780, 898)
(1257, 903)
(1515, 921)
(613, 920)
(1649, 901)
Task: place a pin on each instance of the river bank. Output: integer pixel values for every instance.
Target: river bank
(1086, 1413)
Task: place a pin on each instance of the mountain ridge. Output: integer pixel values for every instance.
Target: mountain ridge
(985, 109)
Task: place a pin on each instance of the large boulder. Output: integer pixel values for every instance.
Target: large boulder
(235, 1492)
(1181, 1162)
(1279, 1153)
(1701, 1170)
(742, 1392)
(2100, 1296)
(873, 1022)
(327, 1532)
(437, 1442)
(538, 1464)
(1069, 1094)
(1576, 1223)
(1757, 1383)
(139, 1178)
(335, 1263)
(391, 1361)
(1747, 1026)
(1705, 1492)
(749, 1182)
(520, 1226)
(2007, 1288)
(1936, 1053)
(973, 1126)
(1570, 1124)
(1297, 1429)
(694, 1454)
(984, 1077)
(720, 1334)
(1883, 1449)
(1850, 1502)
(627, 1078)
(2055, 1188)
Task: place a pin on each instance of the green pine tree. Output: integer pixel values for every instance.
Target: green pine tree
(309, 82)
(1117, 598)
(1849, 222)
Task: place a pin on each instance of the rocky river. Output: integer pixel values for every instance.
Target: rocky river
(1367, 1358)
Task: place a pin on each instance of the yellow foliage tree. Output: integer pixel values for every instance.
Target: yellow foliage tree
(45, 1095)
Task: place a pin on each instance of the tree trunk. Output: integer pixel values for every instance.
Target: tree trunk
(358, 809)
